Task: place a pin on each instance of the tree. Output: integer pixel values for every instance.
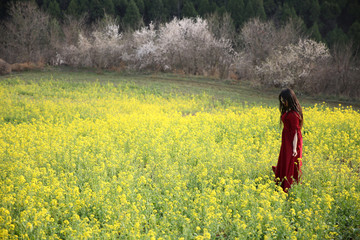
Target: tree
(54, 9)
(236, 9)
(259, 9)
(4, 9)
(108, 6)
(354, 34)
(315, 33)
(314, 11)
(189, 9)
(286, 13)
(74, 8)
(64, 4)
(329, 13)
(290, 64)
(173, 8)
(249, 10)
(155, 10)
(132, 18)
(204, 7)
(270, 7)
(255, 8)
(120, 7)
(213, 6)
(96, 11)
(141, 6)
(353, 10)
(78, 8)
(336, 36)
(25, 36)
(221, 11)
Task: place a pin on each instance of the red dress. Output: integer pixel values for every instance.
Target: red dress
(288, 167)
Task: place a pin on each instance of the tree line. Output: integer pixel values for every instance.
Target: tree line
(330, 21)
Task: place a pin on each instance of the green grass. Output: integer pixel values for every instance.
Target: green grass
(237, 92)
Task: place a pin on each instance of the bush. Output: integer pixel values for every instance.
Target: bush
(25, 37)
(261, 38)
(289, 65)
(261, 41)
(102, 48)
(340, 75)
(5, 68)
(186, 45)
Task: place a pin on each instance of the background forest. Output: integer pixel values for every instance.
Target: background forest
(331, 21)
(310, 45)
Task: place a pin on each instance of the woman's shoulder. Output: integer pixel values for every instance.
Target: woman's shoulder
(293, 114)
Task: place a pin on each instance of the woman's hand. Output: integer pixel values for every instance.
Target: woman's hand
(294, 152)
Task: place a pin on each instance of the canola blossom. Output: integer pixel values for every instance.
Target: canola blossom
(92, 160)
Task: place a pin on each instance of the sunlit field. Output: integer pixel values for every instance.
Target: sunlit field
(101, 160)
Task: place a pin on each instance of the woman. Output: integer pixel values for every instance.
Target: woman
(289, 163)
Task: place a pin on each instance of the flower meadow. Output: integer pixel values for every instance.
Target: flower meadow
(99, 160)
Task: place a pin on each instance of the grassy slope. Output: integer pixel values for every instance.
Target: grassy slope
(161, 83)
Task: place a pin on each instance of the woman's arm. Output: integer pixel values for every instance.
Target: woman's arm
(295, 144)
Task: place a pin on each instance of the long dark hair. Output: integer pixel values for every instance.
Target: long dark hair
(288, 95)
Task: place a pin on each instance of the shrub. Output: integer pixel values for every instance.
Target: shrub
(187, 45)
(101, 48)
(288, 66)
(25, 36)
(5, 68)
(260, 40)
(340, 75)
(143, 51)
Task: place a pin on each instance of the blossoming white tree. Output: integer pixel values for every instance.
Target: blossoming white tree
(290, 64)
(102, 48)
(187, 45)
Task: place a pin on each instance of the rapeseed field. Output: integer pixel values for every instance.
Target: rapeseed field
(94, 160)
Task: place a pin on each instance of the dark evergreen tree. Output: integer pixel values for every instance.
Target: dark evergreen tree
(221, 11)
(132, 18)
(64, 4)
(213, 7)
(249, 10)
(354, 7)
(4, 4)
(354, 34)
(254, 8)
(336, 36)
(259, 9)
(108, 6)
(270, 7)
(155, 10)
(189, 9)
(236, 9)
(84, 6)
(141, 6)
(301, 7)
(54, 9)
(287, 12)
(315, 33)
(314, 11)
(120, 7)
(172, 8)
(204, 7)
(348, 14)
(96, 11)
(74, 8)
(329, 13)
